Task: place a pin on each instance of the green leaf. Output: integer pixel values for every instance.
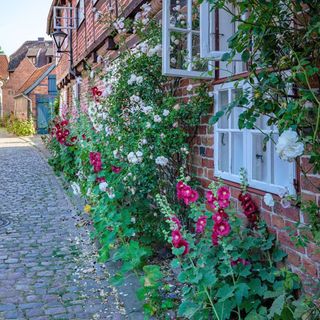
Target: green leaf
(214, 119)
(188, 309)
(242, 290)
(225, 292)
(175, 263)
(277, 307)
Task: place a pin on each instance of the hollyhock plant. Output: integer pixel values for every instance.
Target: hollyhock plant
(201, 224)
(220, 216)
(95, 160)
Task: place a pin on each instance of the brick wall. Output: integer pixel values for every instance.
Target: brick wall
(16, 80)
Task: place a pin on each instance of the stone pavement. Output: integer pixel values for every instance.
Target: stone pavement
(47, 260)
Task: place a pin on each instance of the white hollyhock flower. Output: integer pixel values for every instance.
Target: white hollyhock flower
(165, 112)
(162, 161)
(157, 118)
(103, 186)
(288, 146)
(75, 188)
(268, 200)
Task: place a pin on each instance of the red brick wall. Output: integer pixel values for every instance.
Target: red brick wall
(16, 80)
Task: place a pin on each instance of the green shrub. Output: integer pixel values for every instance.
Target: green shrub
(21, 127)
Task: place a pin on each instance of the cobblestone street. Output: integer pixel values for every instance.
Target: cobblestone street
(47, 260)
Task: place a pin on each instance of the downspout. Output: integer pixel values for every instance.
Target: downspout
(71, 68)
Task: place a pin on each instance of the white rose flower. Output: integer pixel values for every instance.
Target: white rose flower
(148, 125)
(144, 141)
(146, 109)
(268, 200)
(173, 60)
(162, 161)
(75, 188)
(139, 80)
(132, 158)
(139, 154)
(177, 107)
(111, 193)
(165, 112)
(103, 186)
(189, 87)
(288, 146)
(157, 118)
(133, 220)
(116, 154)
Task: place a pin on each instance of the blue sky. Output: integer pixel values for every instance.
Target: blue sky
(22, 20)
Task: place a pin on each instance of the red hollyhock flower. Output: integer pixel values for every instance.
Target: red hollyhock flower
(220, 216)
(64, 123)
(215, 239)
(186, 193)
(66, 132)
(116, 169)
(185, 244)
(249, 208)
(74, 139)
(176, 221)
(201, 224)
(223, 193)
(95, 160)
(222, 229)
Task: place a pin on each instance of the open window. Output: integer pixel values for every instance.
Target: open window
(181, 40)
(235, 148)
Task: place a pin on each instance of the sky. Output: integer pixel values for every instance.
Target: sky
(22, 20)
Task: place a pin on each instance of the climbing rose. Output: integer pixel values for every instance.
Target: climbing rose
(201, 224)
(288, 146)
(222, 229)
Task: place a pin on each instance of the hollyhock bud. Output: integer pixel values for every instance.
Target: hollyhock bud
(214, 238)
(201, 224)
(241, 261)
(222, 229)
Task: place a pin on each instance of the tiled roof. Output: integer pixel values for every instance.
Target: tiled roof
(3, 67)
(37, 74)
(32, 52)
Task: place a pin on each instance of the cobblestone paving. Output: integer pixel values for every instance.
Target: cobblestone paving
(47, 268)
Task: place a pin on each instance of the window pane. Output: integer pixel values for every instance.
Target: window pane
(179, 51)
(222, 103)
(237, 153)
(198, 64)
(235, 94)
(195, 16)
(259, 159)
(280, 168)
(262, 123)
(178, 13)
(223, 161)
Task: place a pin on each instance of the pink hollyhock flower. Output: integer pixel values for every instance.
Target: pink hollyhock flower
(214, 238)
(223, 193)
(116, 169)
(222, 229)
(180, 185)
(186, 193)
(211, 199)
(201, 224)
(194, 196)
(224, 203)
(176, 238)
(100, 179)
(219, 216)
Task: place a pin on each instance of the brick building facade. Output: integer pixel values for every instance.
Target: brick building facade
(4, 63)
(90, 39)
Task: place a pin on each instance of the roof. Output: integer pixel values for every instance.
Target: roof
(34, 80)
(22, 52)
(32, 52)
(4, 67)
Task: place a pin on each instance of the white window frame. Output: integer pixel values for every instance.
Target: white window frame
(247, 154)
(80, 12)
(205, 23)
(166, 30)
(66, 15)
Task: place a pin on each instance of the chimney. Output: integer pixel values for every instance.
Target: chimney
(40, 39)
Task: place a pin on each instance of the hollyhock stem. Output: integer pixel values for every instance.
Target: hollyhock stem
(208, 294)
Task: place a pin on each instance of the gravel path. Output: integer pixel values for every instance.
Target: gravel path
(47, 261)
